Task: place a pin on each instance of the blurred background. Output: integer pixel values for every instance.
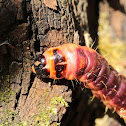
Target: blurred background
(112, 36)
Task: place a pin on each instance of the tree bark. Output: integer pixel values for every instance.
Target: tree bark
(33, 26)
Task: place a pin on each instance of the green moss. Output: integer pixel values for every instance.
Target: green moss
(7, 116)
(5, 93)
(59, 100)
(43, 118)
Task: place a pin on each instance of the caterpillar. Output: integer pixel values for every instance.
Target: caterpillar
(72, 61)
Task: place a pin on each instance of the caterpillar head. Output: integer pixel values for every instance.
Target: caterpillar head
(65, 61)
(51, 64)
(39, 66)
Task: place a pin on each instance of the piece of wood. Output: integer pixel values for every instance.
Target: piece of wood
(47, 26)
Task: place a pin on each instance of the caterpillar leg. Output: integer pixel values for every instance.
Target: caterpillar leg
(71, 61)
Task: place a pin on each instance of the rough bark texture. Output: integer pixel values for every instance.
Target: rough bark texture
(32, 26)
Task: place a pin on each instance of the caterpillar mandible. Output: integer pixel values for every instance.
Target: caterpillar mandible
(72, 61)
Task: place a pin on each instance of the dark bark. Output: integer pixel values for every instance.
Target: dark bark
(118, 5)
(33, 26)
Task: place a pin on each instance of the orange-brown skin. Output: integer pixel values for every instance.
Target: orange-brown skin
(87, 66)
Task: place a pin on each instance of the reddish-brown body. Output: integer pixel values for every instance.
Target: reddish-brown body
(72, 61)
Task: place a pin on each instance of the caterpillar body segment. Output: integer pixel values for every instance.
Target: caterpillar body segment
(72, 61)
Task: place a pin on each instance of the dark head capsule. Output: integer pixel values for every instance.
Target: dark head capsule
(39, 67)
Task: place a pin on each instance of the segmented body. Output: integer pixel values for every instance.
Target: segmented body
(72, 61)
